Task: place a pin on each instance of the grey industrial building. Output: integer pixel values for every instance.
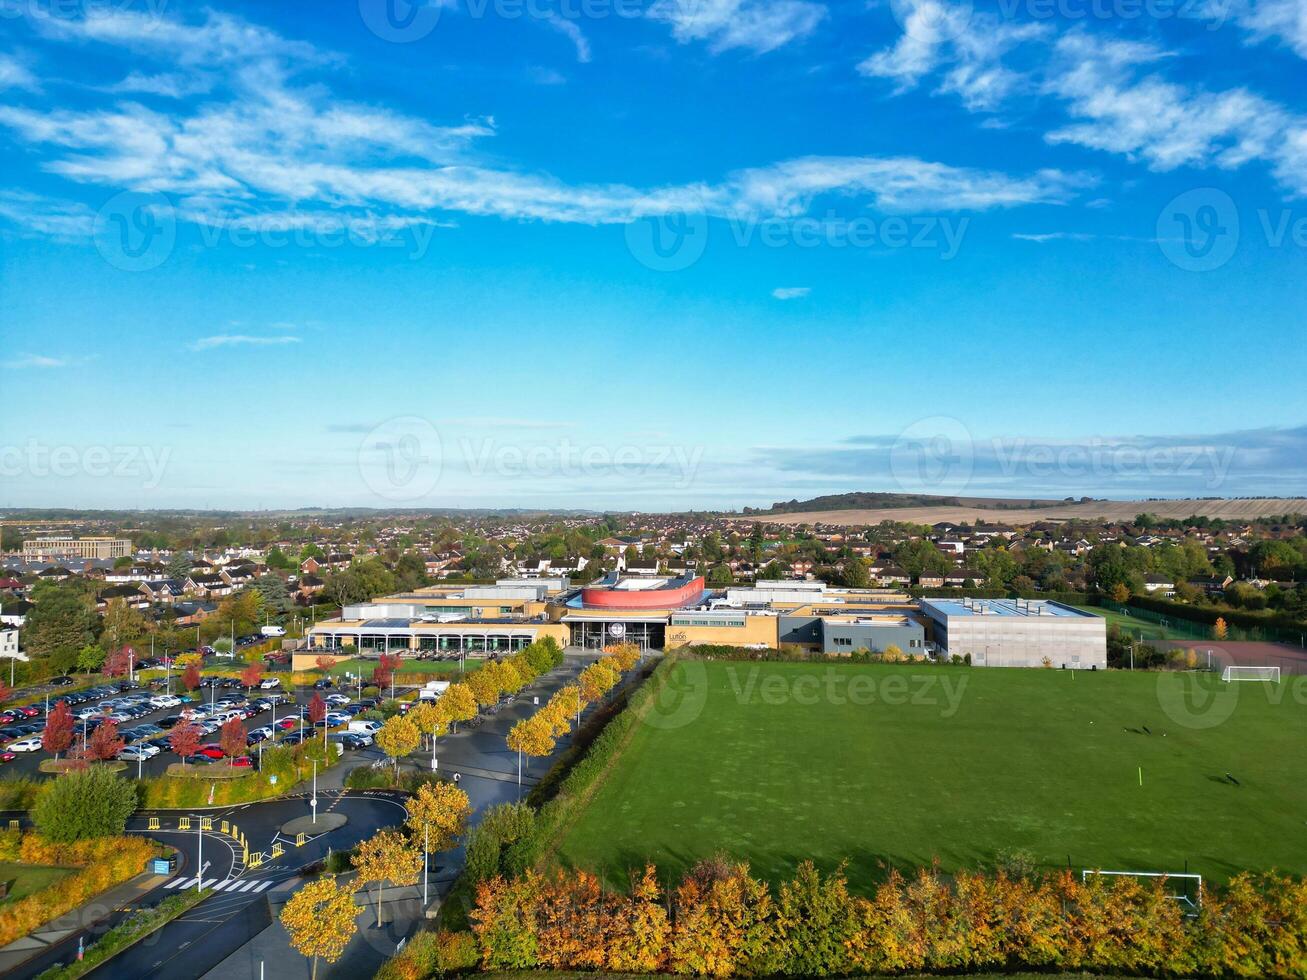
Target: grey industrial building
(1017, 632)
(846, 634)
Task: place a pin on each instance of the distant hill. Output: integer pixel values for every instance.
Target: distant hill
(882, 501)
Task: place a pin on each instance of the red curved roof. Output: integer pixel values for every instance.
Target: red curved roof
(664, 598)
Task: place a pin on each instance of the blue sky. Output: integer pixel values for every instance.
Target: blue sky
(659, 254)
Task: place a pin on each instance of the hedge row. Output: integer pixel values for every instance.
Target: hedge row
(1210, 614)
(720, 921)
(290, 766)
(104, 863)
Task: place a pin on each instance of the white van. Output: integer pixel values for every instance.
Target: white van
(272, 630)
(432, 690)
(365, 726)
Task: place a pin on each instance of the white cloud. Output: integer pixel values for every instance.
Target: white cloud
(46, 216)
(1282, 20)
(756, 25)
(1113, 92)
(240, 340)
(14, 74)
(267, 152)
(572, 31)
(791, 292)
(172, 85)
(37, 361)
(1052, 236)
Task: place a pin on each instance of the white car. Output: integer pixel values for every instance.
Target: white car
(336, 699)
(134, 753)
(31, 743)
(268, 683)
(165, 701)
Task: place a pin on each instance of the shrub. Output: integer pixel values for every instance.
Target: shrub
(433, 954)
(104, 862)
(80, 805)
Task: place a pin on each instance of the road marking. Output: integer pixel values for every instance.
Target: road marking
(209, 883)
(222, 884)
(177, 883)
(262, 885)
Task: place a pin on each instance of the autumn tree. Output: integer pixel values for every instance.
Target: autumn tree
(319, 919)
(191, 677)
(1121, 593)
(429, 719)
(317, 708)
(484, 685)
(397, 738)
(184, 739)
(384, 672)
(437, 815)
(533, 737)
(458, 703)
(251, 675)
(387, 856)
(118, 662)
(324, 663)
(1219, 629)
(58, 734)
(232, 738)
(624, 655)
(104, 743)
(596, 681)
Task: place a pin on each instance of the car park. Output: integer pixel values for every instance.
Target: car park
(211, 750)
(322, 683)
(285, 724)
(294, 738)
(336, 699)
(138, 753)
(268, 683)
(28, 744)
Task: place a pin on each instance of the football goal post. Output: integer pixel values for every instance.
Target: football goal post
(1183, 887)
(1271, 674)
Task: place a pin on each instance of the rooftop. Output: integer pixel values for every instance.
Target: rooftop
(1013, 608)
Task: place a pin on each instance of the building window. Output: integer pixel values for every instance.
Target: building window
(843, 641)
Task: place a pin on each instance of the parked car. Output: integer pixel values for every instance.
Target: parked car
(138, 753)
(336, 699)
(29, 744)
(241, 762)
(258, 735)
(211, 750)
(286, 724)
(322, 683)
(7, 757)
(61, 681)
(268, 683)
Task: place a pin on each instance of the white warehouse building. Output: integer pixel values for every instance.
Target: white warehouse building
(1018, 633)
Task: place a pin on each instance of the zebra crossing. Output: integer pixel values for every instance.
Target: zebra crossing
(230, 886)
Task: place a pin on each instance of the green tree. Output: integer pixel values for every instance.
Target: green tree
(91, 803)
(62, 620)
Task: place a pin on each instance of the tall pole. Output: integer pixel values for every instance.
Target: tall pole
(314, 804)
(199, 857)
(426, 861)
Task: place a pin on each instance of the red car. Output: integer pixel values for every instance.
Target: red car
(241, 762)
(7, 757)
(211, 751)
(286, 724)
(27, 711)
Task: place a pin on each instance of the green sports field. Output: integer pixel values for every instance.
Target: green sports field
(1145, 630)
(898, 764)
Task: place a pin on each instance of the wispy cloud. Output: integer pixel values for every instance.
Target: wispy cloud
(240, 340)
(791, 292)
(39, 361)
(14, 74)
(755, 25)
(572, 31)
(1053, 236)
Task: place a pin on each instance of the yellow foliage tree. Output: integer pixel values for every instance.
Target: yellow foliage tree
(484, 685)
(596, 681)
(1121, 593)
(437, 815)
(320, 920)
(428, 718)
(624, 655)
(458, 703)
(1219, 629)
(533, 736)
(387, 856)
(397, 738)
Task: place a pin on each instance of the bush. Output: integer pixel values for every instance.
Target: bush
(433, 954)
(105, 862)
(82, 805)
(365, 777)
(19, 792)
(290, 766)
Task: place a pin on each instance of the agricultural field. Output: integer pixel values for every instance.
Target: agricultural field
(899, 765)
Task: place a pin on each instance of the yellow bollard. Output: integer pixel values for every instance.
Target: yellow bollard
(299, 840)
(206, 823)
(278, 850)
(184, 823)
(224, 826)
(255, 860)
(13, 824)
(154, 824)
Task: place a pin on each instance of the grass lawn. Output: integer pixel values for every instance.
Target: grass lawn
(1139, 628)
(897, 765)
(24, 879)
